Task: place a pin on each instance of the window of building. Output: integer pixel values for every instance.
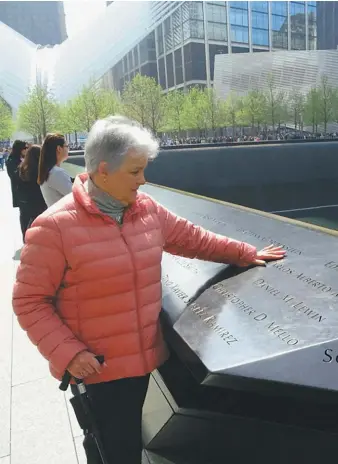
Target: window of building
(279, 8)
(216, 13)
(241, 5)
(178, 66)
(168, 37)
(238, 17)
(177, 27)
(196, 10)
(312, 25)
(259, 20)
(239, 34)
(192, 17)
(279, 25)
(260, 27)
(217, 22)
(161, 72)
(239, 22)
(260, 6)
(143, 51)
(170, 70)
(125, 65)
(213, 51)
(135, 53)
(297, 21)
(260, 37)
(217, 31)
(194, 62)
(160, 46)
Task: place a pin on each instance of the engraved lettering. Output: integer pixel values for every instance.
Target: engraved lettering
(210, 321)
(297, 305)
(270, 240)
(328, 357)
(260, 317)
(332, 265)
(175, 289)
(282, 334)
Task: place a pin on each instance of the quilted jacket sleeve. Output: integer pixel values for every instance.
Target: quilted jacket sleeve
(186, 239)
(38, 279)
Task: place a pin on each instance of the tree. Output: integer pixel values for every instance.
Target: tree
(143, 101)
(312, 109)
(213, 110)
(297, 107)
(195, 110)
(232, 108)
(174, 111)
(39, 113)
(69, 121)
(253, 109)
(276, 104)
(326, 98)
(6, 121)
(91, 104)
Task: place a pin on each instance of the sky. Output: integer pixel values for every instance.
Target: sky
(81, 12)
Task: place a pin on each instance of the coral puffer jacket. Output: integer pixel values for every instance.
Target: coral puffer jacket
(85, 282)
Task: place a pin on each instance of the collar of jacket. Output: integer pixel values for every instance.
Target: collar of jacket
(82, 196)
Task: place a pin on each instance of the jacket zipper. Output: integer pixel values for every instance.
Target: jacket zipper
(137, 302)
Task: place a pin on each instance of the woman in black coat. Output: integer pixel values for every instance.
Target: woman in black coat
(17, 154)
(31, 202)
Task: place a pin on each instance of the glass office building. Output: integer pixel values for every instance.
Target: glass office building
(179, 50)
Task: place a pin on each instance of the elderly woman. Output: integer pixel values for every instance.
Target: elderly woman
(89, 282)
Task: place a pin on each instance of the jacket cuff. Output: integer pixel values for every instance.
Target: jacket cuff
(65, 353)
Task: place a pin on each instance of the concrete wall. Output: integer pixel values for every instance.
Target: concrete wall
(266, 177)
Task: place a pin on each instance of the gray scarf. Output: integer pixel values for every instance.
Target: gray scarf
(106, 204)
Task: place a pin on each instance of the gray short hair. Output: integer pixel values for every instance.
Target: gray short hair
(111, 138)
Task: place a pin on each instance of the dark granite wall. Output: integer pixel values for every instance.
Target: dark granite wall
(265, 177)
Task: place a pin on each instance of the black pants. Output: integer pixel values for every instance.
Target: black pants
(27, 216)
(117, 406)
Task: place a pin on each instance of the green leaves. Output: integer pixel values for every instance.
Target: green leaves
(198, 109)
(38, 115)
(6, 121)
(143, 101)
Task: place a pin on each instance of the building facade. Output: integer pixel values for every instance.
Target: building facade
(181, 44)
(42, 23)
(290, 71)
(327, 25)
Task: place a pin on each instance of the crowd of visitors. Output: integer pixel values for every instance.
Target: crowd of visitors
(37, 180)
(242, 138)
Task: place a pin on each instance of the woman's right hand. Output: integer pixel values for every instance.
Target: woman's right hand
(84, 364)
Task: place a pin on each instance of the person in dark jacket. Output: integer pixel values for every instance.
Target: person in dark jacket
(17, 154)
(31, 202)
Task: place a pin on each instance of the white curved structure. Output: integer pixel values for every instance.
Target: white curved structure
(299, 70)
(17, 66)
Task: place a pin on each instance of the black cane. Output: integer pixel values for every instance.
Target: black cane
(67, 375)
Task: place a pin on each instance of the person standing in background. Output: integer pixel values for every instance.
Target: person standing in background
(31, 202)
(54, 181)
(17, 154)
(2, 159)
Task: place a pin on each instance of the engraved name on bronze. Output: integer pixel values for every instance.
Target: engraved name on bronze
(175, 288)
(189, 265)
(272, 327)
(270, 240)
(330, 356)
(203, 312)
(332, 265)
(314, 283)
(210, 218)
(290, 300)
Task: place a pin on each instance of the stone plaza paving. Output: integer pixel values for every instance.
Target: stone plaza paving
(37, 423)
